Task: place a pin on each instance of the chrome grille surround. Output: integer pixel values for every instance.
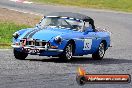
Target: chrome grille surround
(33, 42)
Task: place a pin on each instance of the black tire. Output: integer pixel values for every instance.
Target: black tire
(20, 55)
(67, 53)
(99, 54)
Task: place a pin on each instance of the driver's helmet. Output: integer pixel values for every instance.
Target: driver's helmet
(55, 22)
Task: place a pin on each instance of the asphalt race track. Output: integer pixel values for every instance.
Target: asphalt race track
(48, 72)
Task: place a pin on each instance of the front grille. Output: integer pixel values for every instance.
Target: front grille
(30, 42)
(33, 42)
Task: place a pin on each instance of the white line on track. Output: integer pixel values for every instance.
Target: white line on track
(22, 11)
(5, 49)
(90, 9)
(22, 1)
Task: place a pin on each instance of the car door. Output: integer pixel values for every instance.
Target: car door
(85, 42)
(90, 42)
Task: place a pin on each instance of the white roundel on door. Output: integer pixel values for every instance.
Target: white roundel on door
(87, 44)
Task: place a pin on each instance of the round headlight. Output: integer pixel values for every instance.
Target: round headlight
(58, 39)
(15, 35)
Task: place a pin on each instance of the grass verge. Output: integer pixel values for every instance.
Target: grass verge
(121, 5)
(11, 21)
(6, 31)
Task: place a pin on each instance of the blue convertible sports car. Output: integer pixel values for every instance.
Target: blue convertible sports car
(62, 34)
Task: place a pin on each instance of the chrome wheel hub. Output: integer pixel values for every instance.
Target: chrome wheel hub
(101, 50)
(69, 52)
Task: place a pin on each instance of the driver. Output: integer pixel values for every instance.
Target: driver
(54, 22)
(87, 26)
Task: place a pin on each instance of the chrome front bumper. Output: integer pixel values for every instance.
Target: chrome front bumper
(38, 48)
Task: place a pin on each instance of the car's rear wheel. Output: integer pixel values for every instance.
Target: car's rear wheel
(20, 55)
(68, 52)
(99, 54)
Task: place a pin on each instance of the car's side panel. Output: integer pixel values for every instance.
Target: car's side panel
(85, 43)
(92, 44)
(79, 46)
(104, 36)
(96, 38)
(93, 39)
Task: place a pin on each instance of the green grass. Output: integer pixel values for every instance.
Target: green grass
(6, 31)
(121, 5)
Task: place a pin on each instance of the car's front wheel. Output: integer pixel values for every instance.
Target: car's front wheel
(99, 54)
(68, 52)
(20, 55)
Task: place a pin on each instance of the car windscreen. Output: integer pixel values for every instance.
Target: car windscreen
(61, 23)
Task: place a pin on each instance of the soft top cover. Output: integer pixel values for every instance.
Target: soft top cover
(73, 15)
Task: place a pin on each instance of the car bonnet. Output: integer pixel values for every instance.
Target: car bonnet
(45, 34)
